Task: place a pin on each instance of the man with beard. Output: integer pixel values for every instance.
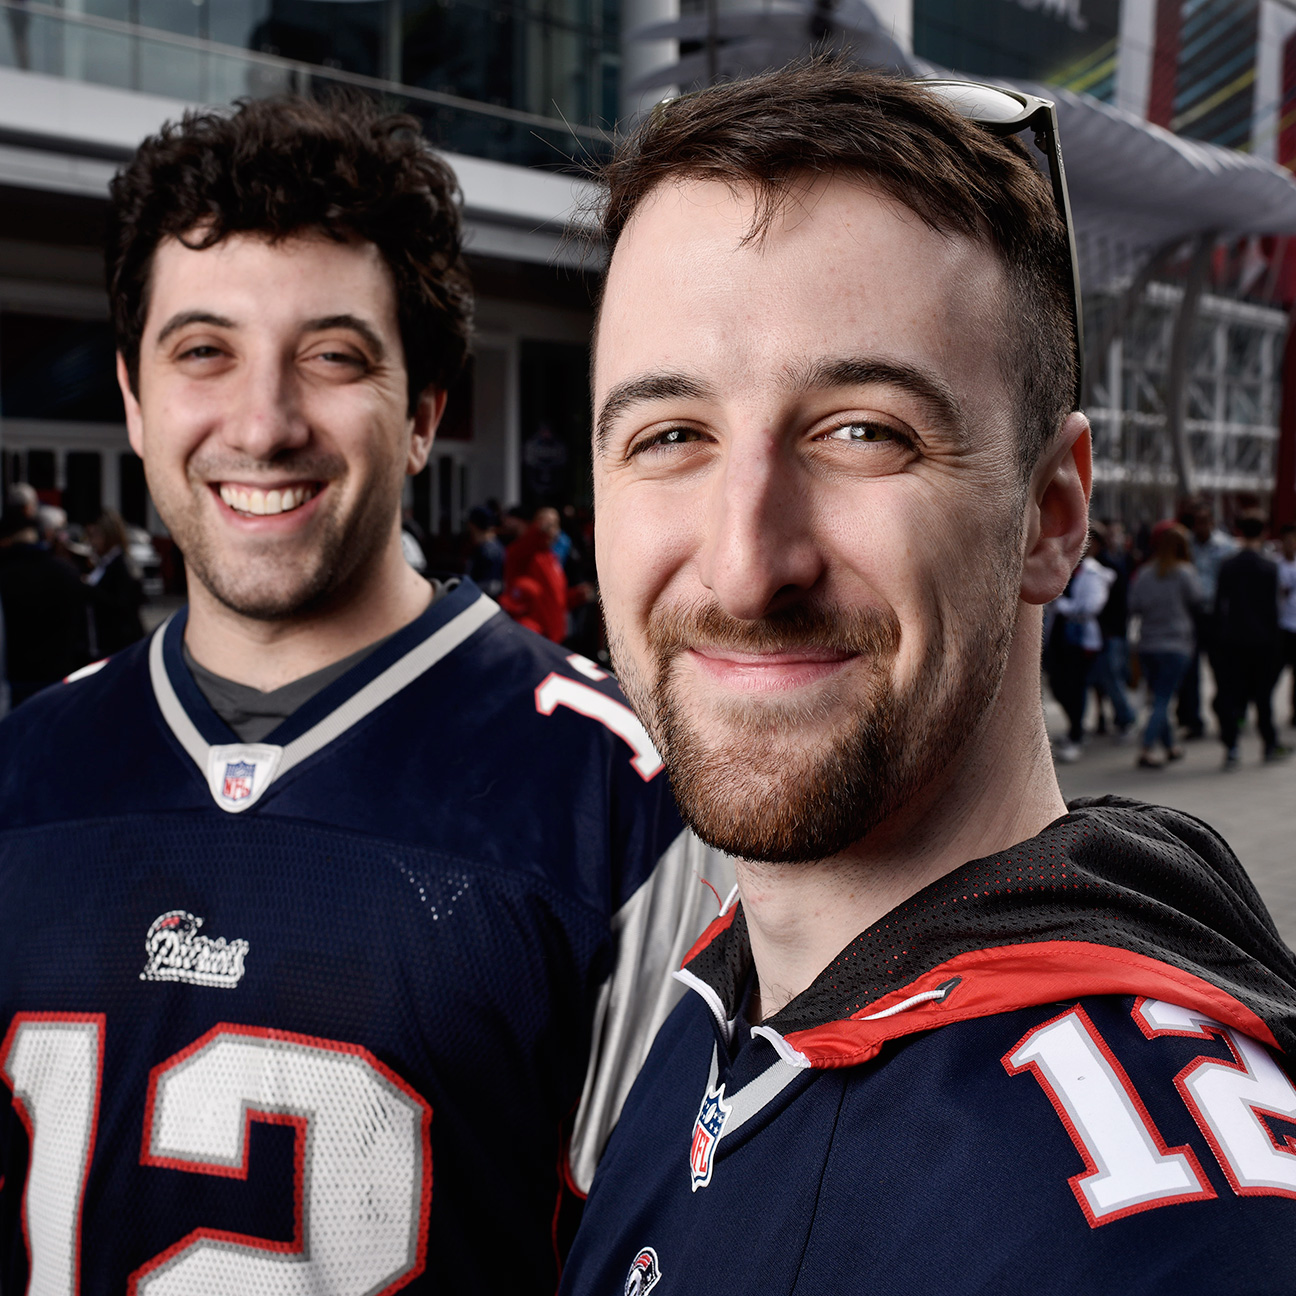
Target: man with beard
(950, 1035)
(338, 916)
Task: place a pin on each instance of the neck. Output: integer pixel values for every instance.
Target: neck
(999, 790)
(269, 654)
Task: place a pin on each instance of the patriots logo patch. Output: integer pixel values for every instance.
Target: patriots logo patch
(707, 1130)
(644, 1274)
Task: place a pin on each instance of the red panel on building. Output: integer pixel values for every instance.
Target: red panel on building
(1165, 63)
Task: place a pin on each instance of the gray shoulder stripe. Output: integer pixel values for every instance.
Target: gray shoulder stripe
(173, 713)
(385, 686)
(755, 1096)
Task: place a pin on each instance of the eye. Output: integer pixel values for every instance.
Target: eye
(200, 352)
(863, 433)
(671, 436)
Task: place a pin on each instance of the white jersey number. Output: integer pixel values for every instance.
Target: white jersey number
(363, 1163)
(558, 690)
(1128, 1166)
(1229, 1101)
(53, 1063)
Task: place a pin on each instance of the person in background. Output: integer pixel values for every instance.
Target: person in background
(414, 543)
(1287, 606)
(1075, 644)
(1166, 595)
(1247, 659)
(513, 524)
(1109, 674)
(21, 498)
(116, 590)
(44, 605)
(536, 593)
(1208, 548)
(486, 557)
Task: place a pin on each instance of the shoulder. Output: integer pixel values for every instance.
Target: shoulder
(1105, 1132)
(51, 745)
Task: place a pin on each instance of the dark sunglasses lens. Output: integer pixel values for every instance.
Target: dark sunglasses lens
(981, 103)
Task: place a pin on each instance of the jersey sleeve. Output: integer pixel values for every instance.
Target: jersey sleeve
(651, 933)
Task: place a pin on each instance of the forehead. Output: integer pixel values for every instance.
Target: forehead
(842, 270)
(247, 277)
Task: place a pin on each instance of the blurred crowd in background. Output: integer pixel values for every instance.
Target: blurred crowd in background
(72, 595)
(1186, 621)
(1182, 612)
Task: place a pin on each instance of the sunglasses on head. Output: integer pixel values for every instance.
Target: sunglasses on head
(1005, 112)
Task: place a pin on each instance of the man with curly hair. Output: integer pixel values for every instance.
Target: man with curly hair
(313, 978)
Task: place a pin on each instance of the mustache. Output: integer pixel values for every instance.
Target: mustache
(869, 631)
(303, 465)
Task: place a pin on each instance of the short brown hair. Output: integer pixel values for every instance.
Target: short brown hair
(289, 165)
(822, 116)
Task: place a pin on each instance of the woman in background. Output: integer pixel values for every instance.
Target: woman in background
(1165, 594)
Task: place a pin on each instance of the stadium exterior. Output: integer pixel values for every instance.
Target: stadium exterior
(1187, 346)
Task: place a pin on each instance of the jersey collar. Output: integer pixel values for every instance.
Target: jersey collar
(1114, 898)
(238, 774)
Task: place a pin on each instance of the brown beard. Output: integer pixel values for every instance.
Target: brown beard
(344, 548)
(788, 781)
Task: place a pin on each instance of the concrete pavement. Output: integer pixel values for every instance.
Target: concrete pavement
(1252, 807)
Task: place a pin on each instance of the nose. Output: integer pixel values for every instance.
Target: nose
(266, 416)
(759, 551)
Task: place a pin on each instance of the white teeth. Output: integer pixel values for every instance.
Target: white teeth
(264, 503)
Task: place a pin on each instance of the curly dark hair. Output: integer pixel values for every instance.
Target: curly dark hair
(288, 165)
(822, 116)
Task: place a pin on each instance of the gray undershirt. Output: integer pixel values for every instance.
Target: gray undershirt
(254, 715)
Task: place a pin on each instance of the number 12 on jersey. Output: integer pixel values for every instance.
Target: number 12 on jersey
(363, 1157)
(1128, 1166)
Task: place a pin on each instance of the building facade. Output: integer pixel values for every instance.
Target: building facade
(516, 95)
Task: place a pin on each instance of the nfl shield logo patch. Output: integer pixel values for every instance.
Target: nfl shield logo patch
(707, 1130)
(238, 780)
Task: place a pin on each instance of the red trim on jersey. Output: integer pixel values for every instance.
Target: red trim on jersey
(1205, 1191)
(299, 1151)
(99, 1020)
(716, 926)
(1008, 977)
(1288, 1142)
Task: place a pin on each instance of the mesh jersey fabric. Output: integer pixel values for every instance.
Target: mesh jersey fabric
(332, 1042)
(1112, 872)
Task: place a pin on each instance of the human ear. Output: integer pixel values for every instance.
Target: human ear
(427, 415)
(1057, 512)
(134, 419)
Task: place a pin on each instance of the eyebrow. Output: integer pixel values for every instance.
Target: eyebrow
(352, 322)
(942, 406)
(182, 318)
(638, 391)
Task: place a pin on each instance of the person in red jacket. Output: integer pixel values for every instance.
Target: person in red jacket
(536, 593)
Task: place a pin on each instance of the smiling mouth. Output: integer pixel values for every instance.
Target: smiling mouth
(254, 502)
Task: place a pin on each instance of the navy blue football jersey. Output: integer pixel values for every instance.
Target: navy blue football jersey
(345, 1011)
(937, 1115)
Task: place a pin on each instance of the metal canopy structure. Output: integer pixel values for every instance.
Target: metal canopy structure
(1183, 385)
